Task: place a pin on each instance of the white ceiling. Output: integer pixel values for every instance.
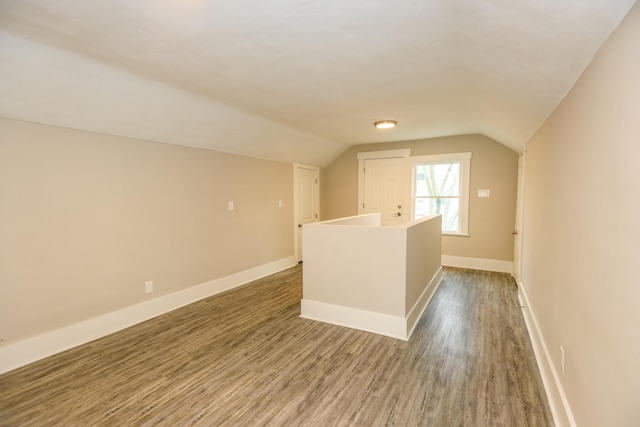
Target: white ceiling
(297, 80)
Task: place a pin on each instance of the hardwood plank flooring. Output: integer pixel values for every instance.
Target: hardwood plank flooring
(246, 358)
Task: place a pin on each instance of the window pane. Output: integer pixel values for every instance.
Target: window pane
(448, 207)
(438, 179)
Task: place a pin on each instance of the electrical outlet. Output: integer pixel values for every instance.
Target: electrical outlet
(562, 359)
(279, 203)
(148, 286)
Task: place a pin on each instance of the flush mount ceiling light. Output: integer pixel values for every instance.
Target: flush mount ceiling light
(385, 124)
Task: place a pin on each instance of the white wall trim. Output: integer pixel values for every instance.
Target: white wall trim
(421, 304)
(369, 321)
(558, 402)
(32, 349)
(498, 265)
(384, 154)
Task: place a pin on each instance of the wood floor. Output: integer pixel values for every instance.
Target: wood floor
(245, 358)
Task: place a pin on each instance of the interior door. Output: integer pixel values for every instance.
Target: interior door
(383, 189)
(517, 241)
(307, 201)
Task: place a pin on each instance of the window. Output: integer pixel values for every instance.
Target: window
(441, 186)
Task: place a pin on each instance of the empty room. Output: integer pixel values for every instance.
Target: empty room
(312, 213)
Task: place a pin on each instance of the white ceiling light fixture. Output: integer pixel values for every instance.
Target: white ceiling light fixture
(385, 124)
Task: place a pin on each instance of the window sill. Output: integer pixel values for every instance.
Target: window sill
(456, 234)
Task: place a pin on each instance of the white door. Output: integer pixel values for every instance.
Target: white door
(307, 201)
(383, 189)
(517, 241)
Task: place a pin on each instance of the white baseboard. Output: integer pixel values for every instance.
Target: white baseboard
(478, 263)
(369, 321)
(558, 403)
(421, 304)
(32, 349)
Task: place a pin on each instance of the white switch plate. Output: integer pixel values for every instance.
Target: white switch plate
(148, 286)
(484, 193)
(279, 203)
(230, 206)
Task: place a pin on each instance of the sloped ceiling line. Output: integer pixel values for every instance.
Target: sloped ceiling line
(296, 81)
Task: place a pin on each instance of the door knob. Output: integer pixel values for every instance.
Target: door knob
(398, 214)
(514, 232)
(299, 225)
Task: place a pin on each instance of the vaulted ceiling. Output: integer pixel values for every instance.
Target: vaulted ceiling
(296, 80)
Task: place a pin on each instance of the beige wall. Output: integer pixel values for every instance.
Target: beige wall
(86, 219)
(493, 167)
(582, 234)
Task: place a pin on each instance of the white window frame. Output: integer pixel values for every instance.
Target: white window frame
(464, 159)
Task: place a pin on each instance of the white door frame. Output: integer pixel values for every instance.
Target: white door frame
(296, 220)
(385, 154)
(519, 221)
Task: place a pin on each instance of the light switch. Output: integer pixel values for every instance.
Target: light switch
(230, 206)
(484, 193)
